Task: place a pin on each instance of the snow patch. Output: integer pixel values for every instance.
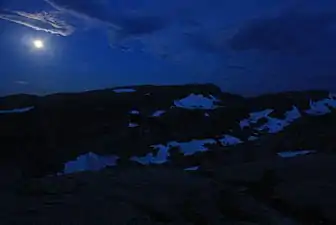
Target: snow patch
(197, 102)
(90, 162)
(322, 107)
(19, 110)
(273, 125)
(124, 90)
(158, 113)
(244, 123)
(186, 148)
(293, 114)
(193, 146)
(255, 117)
(132, 125)
(192, 168)
(252, 138)
(230, 140)
(134, 112)
(150, 158)
(290, 154)
(144, 160)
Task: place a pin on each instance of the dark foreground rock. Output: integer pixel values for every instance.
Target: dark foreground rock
(303, 188)
(296, 191)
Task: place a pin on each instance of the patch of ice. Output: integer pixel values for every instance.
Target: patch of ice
(197, 102)
(230, 140)
(124, 90)
(19, 110)
(90, 162)
(192, 168)
(289, 154)
(131, 125)
(158, 113)
(134, 112)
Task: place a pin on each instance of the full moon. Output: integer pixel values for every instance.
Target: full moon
(38, 44)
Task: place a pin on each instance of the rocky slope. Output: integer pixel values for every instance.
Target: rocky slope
(173, 155)
(298, 191)
(158, 124)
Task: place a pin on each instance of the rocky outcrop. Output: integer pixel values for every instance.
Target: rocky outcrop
(302, 188)
(143, 196)
(282, 191)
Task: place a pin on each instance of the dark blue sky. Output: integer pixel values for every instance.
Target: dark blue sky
(247, 47)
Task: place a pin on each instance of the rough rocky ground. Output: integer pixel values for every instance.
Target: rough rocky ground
(300, 190)
(243, 182)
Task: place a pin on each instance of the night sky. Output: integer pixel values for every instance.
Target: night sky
(247, 47)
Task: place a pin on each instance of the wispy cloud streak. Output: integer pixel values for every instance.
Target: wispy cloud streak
(44, 21)
(127, 24)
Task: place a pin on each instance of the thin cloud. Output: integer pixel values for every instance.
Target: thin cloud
(43, 21)
(21, 82)
(125, 24)
(87, 10)
(121, 25)
(296, 33)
